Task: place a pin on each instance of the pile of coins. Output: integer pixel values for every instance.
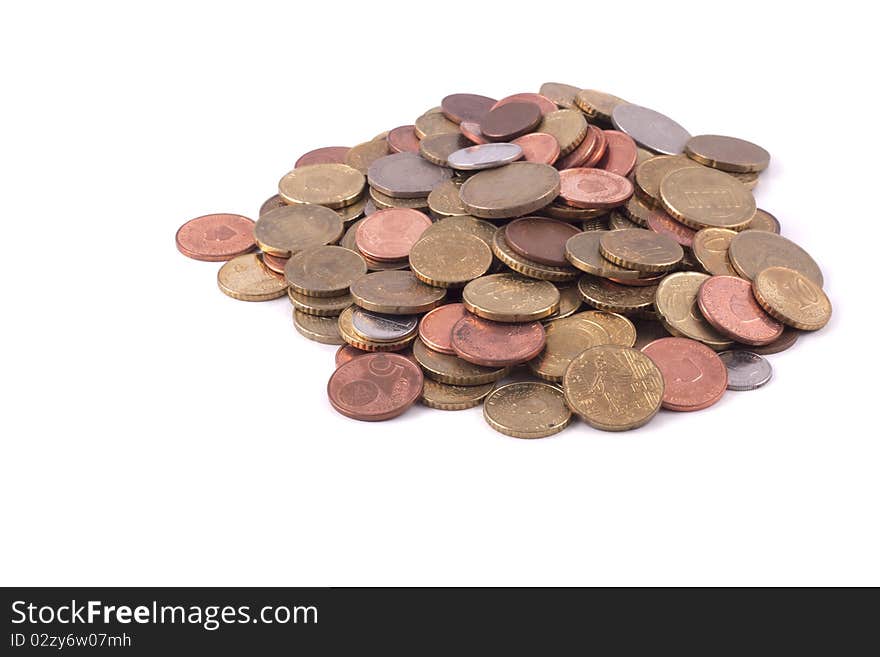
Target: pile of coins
(448, 255)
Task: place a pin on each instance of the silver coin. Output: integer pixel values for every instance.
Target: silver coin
(406, 175)
(650, 129)
(745, 370)
(383, 328)
(484, 156)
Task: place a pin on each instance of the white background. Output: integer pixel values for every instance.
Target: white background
(156, 432)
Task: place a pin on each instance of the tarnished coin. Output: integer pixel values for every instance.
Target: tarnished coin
(378, 327)
(216, 237)
(590, 149)
(527, 409)
(597, 104)
(434, 123)
(390, 234)
(275, 263)
(466, 107)
(527, 267)
(324, 271)
(583, 252)
(435, 328)
(676, 301)
(752, 251)
(449, 259)
(375, 387)
(660, 222)
(569, 336)
(640, 249)
(746, 370)
(406, 175)
(562, 94)
(326, 155)
(483, 230)
(514, 190)
(594, 188)
(383, 201)
(447, 397)
(484, 156)
(395, 293)
(271, 203)
(472, 131)
(496, 344)
(650, 173)
(246, 278)
(403, 139)
(323, 306)
(540, 239)
(331, 185)
(613, 388)
(370, 324)
(763, 220)
(650, 129)
(614, 297)
(317, 328)
(288, 230)
(363, 155)
(706, 198)
(510, 120)
(568, 126)
(538, 147)
(545, 104)
(437, 148)
(694, 376)
(446, 368)
(510, 298)
(727, 153)
(727, 303)
(710, 249)
(620, 155)
(444, 201)
(792, 298)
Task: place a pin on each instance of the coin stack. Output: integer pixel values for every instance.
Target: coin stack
(451, 254)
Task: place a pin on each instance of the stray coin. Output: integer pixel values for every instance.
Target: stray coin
(727, 153)
(390, 234)
(485, 156)
(317, 328)
(330, 185)
(583, 252)
(792, 298)
(562, 94)
(727, 303)
(293, 228)
(538, 147)
(710, 247)
(324, 271)
(437, 148)
(640, 249)
(450, 369)
(676, 302)
(621, 153)
(215, 237)
(396, 293)
(324, 306)
(246, 278)
(403, 139)
(515, 190)
(568, 126)
(594, 188)
(614, 297)
(375, 387)
(510, 298)
(540, 239)
(746, 370)
(326, 155)
(496, 344)
(435, 328)
(706, 198)
(694, 376)
(466, 107)
(363, 155)
(752, 251)
(527, 409)
(406, 175)
(445, 397)
(510, 120)
(449, 259)
(650, 129)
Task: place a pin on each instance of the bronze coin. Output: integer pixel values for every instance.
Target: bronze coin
(383, 201)
(332, 185)
(729, 306)
(650, 173)
(450, 369)
(374, 387)
(484, 230)
(396, 293)
(694, 376)
(403, 139)
(246, 278)
(466, 107)
(510, 121)
(406, 175)
(346, 353)
(660, 222)
(275, 263)
(471, 130)
(363, 155)
(621, 153)
(710, 247)
(545, 104)
(603, 294)
(599, 151)
(326, 155)
(785, 341)
(792, 298)
(274, 201)
(496, 344)
(216, 237)
(437, 148)
(390, 234)
(514, 190)
(640, 249)
(322, 306)
(586, 150)
(540, 239)
(538, 147)
(435, 329)
(597, 104)
(292, 228)
(727, 153)
(594, 188)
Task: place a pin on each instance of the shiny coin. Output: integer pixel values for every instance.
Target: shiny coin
(594, 188)
(271, 203)
(527, 267)
(746, 370)
(694, 376)
(452, 369)
(562, 94)
(591, 149)
(727, 153)
(375, 387)
(324, 271)
(614, 297)
(437, 148)
(216, 237)
(330, 185)
(324, 306)
(390, 234)
(706, 198)
(650, 129)
(620, 155)
(326, 155)
(444, 201)
(540, 239)
(378, 327)
(792, 298)
(514, 190)
(363, 155)
(317, 328)
(538, 147)
(727, 303)
(597, 104)
(449, 259)
(293, 228)
(466, 107)
(496, 344)
(383, 201)
(545, 104)
(446, 397)
(465, 224)
(755, 250)
(765, 221)
(510, 298)
(650, 173)
(640, 249)
(660, 222)
(434, 123)
(345, 324)
(274, 263)
(403, 139)
(710, 249)
(527, 410)
(406, 175)
(395, 293)
(583, 252)
(510, 120)
(246, 278)
(435, 328)
(676, 302)
(484, 156)
(567, 125)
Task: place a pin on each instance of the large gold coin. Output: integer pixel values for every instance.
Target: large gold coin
(727, 153)
(583, 252)
(330, 185)
(676, 301)
(527, 409)
(444, 200)
(597, 104)
(363, 155)
(530, 268)
(650, 173)
(447, 397)
(454, 370)
(293, 228)
(568, 337)
(641, 250)
(754, 250)
(514, 190)
(434, 123)
(324, 271)
(465, 224)
(613, 388)
(792, 298)
(323, 306)
(317, 328)
(510, 298)
(614, 297)
(396, 293)
(568, 126)
(562, 94)
(349, 334)
(246, 278)
(706, 198)
(449, 259)
(710, 249)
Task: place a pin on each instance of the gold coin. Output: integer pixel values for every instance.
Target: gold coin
(530, 268)
(637, 211)
(330, 185)
(510, 298)
(383, 201)
(514, 190)
(246, 278)
(360, 157)
(465, 224)
(707, 198)
(447, 397)
(454, 370)
(449, 258)
(614, 297)
(288, 230)
(434, 123)
(568, 126)
(597, 104)
(444, 200)
(765, 221)
(619, 221)
(350, 335)
(437, 148)
(727, 153)
(568, 337)
(561, 94)
(323, 306)
(583, 252)
(324, 271)
(754, 250)
(710, 249)
(650, 173)
(317, 328)
(640, 249)
(527, 409)
(569, 213)
(750, 180)
(792, 298)
(570, 302)
(396, 293)
(354, 211)
(613, 388)
(676, 301)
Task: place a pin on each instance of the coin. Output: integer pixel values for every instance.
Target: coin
(710, 249)
(587, 150)
(395, 293)
(465, 224)
(215, 237)
(597, 223)
(754, 250)
(792, 298)
(510, 298)
(694, 376)
(565, 212)
(452, 370)
(527, 409)
(246, 278)
(317, 328)
(466, 107)
(331, 185)
(650, 129)
(763, 220)
(594, 188)
(472, 131)
(433, 123)
(569, 336)
(648, 330)
(354, 211)
(746, 370)
(640, 249)
(324, 306)
(660, 222)
(727, 303)
(676, 302)
(390, 234)
(706, 198)
(749, 180)
(561, 94)
(484, 156)
(637, 211)
(568, 126)
(437, 148)
(293, 228)
(540, 239)
(346, 353)
(510, 120)
(545, 104)
(583, 252)
(345, 324)
(614, 297)
(326, 155)
(597, 104)
(727, 153)
(785, 341)
(613, 388)
(620, 154)
(449, 259)
(375, 387)
(274, 263)
(514, 190)
(496, 344)
(378, 327)
(444, 200)
(569, 303)
(271, 203)
(447, 397)
(383, 201)
(650, 173)
(527, 267)
(618, 220)
(406, 175)
(324, 271)
(435, 328)
(363, 155)
(403, 139)
(538, 147)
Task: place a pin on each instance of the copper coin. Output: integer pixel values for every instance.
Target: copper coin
(510, 121)
(216, 237)
(660, 222)
(326, 155)
(435, 329)
(466, 107)
(599, 152)
(729, 306)
(378, 386)
(275, 263)
(540, 239)
(545, 104)
(538, 147)
(594, 188)
(621, 153)
(582, 153)
(786, 340)
(406, 175)
(694, 376)
(346, 353)
(389, 234)
(471, 130)
(497, 344)
(403, 139)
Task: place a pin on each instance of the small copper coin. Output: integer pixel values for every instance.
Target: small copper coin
(216, 237)
(640, 249)
(561, 94)
(326, 155)
(324, 271)
(694, 376)
(346, 353)
(275, 263)
(390, 234)
(599, 151)
(510, 120)
(567, 125)
(586, 150)
(514, 190)
(540, 239)
(403, 139)
(472, 131)
(435, 329)
(292, 228)
(484, 156)
(466, 107)
(396, 293)
(727, 153)
(375, 387)
(496, 344)
(729, 306)
(538, 147)
(594, 188)
(660, 222)
(545, 104)
(785, 341)
(620, 155)
(406, 175)
(437, 148)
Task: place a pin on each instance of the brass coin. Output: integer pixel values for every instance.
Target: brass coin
(444, 200)
(324, 271)
(613, 388)
(449, 258)
(395, 293)
(637, 211)
(323, 306)
(676, 301)
(514, 190)
(527, 409)
(597, 104)
(447, 397)
(331, 185)
(317, 328)
(383, 201)
(453, 370)
(765, 221)
(643, 155)
(614, 297)
(568, 126)
(640, 249)
(434, 123)
(293, 228)
(754, 250)
(583, 252)
(750, 180)
(246, 278)
(354, 211)
(561, 94)
(569, 213)
(619, 221)
(406, 175)
(527, 267)
(437, 148)
(710, 249)
(363, 155)
(727, 153)
(707, 198)
(650, 173)
(510, 298)
(570, 302)
(345, 326)
(792, 298)
(465, 224)
(648, 330)
(568, 337)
